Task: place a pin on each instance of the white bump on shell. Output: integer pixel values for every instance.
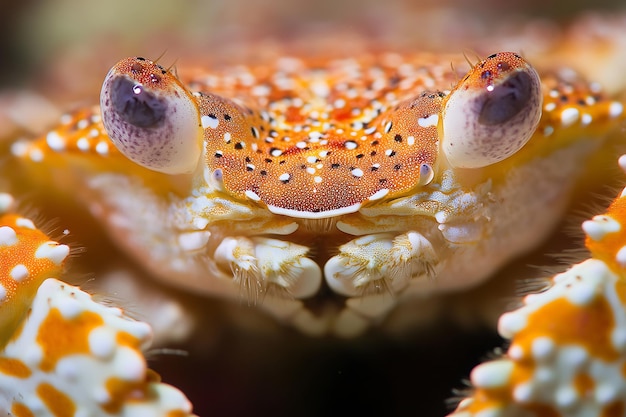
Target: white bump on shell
(53, 252)
(600, 226)
(209, 122)
(69, 308)
(8, 236)
(516, 352)
(35, 155)
(616, 109)
(493, 374)
(605, 393)
(510, 324)
(569, 116)
(26, 223)
(19, 272)
(622, 163)
(523, 393)
(6, 201)
(102, 148)
(102, 343)
(55, 141)
(618, 339)
(83, 144)
(620, 256)
(193, 241)
(566, 397)
(582, 293)
(68, 370)
(130, 366)
(379, 194)
(430, 121)
(542, 348)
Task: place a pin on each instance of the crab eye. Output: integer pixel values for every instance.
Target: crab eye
(151, 118)
(492, 113)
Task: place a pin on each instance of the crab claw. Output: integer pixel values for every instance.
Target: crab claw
(28, 257)
(568, 343)
(63, 354)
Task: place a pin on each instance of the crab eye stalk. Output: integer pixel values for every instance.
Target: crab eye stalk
(151, 118)
(492, 112)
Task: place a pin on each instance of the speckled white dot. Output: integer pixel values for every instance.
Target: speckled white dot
(8, 236)
(582, 293)
(32, 355)
(542, 348)
(618, 338)
(102, 148)
(68, 369)
(548, 130)
(83, 144)
(25, 223)
(102, 343)
(511, 323)
(492, 374)
(516, 352)
(35, 155)
(211, 122)
(523, 393)
(569, 116)
(620, 256)
(6, 201)
(430, 121)
(575, 357)
(566, 397)
(615, 109)
(100, 395)
(252, 195)
(19, 272)
(357, 172)
(605, 393)
(55, 141)
(600, 226)
(129, 365)
(69, 308)
(53, 252)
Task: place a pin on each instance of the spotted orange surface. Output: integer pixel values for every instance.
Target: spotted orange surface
(328, 191)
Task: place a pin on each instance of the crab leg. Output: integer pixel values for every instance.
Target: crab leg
(63, 354)
(567, 355)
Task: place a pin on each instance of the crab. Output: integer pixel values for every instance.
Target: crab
(326, 192)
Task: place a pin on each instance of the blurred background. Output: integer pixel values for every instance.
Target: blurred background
(63, 48)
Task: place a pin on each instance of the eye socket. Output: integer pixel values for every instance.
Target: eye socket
(135, 105)
(492, 112)
(150, 117)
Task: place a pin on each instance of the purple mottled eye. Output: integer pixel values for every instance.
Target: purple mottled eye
(136, 105)
(506, 100)
(492, 113)
(150, 117)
